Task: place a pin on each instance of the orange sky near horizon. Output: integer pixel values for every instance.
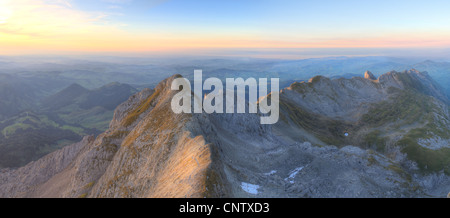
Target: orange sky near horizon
(52, 27)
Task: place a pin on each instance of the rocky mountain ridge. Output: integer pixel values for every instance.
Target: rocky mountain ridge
(148, 151)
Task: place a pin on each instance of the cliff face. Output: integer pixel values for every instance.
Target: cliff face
(349, 99)
(149, 151)
(392, 115)
(369, 75)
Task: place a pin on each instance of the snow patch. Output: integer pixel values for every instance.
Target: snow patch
(270, 173)
(250, 188)
(292, 175)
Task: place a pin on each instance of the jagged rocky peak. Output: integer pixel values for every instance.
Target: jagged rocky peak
(167, 83)
(140, 101)
(348, 99)
(369, 75)
(318, 78)
(162, 154)
(416, 71)
(149, 151)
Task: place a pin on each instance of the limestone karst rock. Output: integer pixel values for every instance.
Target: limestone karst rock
(369, 75)
(148, 151)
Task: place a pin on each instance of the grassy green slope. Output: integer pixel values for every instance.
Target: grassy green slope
(29, 136)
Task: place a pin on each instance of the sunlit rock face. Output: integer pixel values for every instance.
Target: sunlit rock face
(335, 138)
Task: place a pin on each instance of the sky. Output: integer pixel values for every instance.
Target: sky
(221, 26)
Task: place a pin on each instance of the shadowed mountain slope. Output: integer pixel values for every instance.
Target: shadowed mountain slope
(148, 151)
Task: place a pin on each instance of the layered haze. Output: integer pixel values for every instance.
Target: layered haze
(85, 92)
(224, 27)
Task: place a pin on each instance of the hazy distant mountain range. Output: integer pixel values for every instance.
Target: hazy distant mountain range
(93, 72)
(367, 136)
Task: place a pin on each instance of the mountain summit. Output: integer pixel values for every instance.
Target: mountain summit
(369, 75)
(336, 138)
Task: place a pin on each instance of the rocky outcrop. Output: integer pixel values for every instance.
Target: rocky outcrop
(369, 75)
(349, 99)
(149, 151)
(345, 99)
(401, 115)
(23, 181)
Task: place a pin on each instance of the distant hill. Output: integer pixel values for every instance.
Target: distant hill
(19, 93)
(89, 108)
(108, 96)
(32, 127)
(64, 98)
(439, 71)
(13, 100)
